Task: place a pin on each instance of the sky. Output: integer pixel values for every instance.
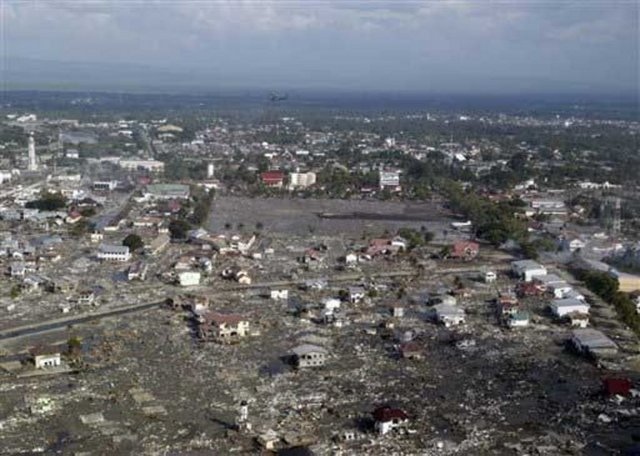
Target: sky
(436, 46)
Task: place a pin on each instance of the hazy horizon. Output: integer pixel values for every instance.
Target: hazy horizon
(377, 46)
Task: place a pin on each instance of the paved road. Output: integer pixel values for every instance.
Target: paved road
(48, 325)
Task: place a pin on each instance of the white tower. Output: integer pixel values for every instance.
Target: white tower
(33, 164)
(243, 417)
(210, 170)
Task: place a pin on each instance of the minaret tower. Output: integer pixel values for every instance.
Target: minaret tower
(33, 163)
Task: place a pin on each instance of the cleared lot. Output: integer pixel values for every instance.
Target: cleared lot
(301, 216)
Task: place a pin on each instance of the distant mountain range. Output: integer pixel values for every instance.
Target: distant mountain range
(25, 73)
(21, 73)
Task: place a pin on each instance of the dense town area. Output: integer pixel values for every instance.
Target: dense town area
(317, 282)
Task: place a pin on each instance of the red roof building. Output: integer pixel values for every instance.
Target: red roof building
(411, 350)
(272, 178)
(465, 250)
(222, 327)
(619, 386)
(144, 180)
(388, 419)
(524, 289)
(386, 414)
(174, 205)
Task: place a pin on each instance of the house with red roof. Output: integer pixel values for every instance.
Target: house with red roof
(617, 386)
(465, 250)
(410, 350)
(382, 246)
(388, 419)
(221, 327)
(273, 179)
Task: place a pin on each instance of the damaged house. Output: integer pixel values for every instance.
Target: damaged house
(226, 328)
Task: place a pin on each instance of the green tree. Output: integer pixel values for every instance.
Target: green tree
(413, 237)
(15, 291)
(48, 202)
(80, 228)
(178, 229)
(74, 347)
(134, 242)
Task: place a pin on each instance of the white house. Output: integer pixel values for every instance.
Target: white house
(96, 236)
(87, 297)
(397, 310)
(527, 269)
(592, 342)
(387, 419)
(114, 252)
(555, 285)
(351, 258)
(573, 244)
(44, 357)
(490, 277)
(563, 307)
(301, 180)
(17, 269)
(518, 319)
(331, 304)
(279, 294)
(189, 278)
(578, 320)
(356, 294)
(448, 315)
(399, 242)
(223, 327)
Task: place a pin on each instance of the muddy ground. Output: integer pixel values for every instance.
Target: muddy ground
(300, 216)
(161, 391)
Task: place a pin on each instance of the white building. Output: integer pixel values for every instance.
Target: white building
(279, 294)
(573, 244)
(518, 319)
(351, 258)
(105, 185)
(5, 176)
(223, 327)
(301, 180)
(27, 118)
(356, 294)
(46, 357)
(114, 252)
(390, 180)
(189, 278)
(592, 342)
(397, 310)
(555, 285)
(563, 307)
(154, 166)
(33, 161)
(550, 207)
(528, 269)
(387, 419)
(331, 304)
(490, 277)
(448, 314)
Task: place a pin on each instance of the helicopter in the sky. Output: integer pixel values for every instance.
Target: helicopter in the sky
(275, 96)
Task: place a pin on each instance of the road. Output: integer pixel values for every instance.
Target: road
(12, 192)
(48, 325)
(354, 276)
